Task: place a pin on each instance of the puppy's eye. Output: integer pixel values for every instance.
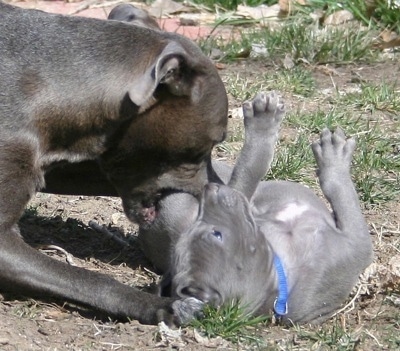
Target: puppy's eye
(217, 234)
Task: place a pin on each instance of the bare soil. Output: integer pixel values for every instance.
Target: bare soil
(59, 226)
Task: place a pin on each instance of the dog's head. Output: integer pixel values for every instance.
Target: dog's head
(222, 257)
(180, 113)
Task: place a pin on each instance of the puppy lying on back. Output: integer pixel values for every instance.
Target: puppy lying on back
(274, 245)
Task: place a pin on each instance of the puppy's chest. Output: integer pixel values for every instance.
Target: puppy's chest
(292, 213)
(286, 217)
(291, 227)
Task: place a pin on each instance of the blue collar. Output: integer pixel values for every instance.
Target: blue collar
(280, 304)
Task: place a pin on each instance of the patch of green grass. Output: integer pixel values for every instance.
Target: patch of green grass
(28, 309)
(302, 40)
(393, 339)
(298, 81)
(227, 148)
(374, 190)
(377, 167)
(387, 13)
(230, 323)
(232, 4)
(236, 132)
(314, 122)
(231, 48)
(381, 97)
(332, 337)
(380, 13)
(376, 161)
(243, 88)
(293, 161)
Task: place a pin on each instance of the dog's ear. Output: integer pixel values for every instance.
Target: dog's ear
(168, 69)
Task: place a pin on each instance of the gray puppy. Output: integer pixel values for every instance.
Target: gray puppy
(99, 107)
(131, 14)
(274, 245)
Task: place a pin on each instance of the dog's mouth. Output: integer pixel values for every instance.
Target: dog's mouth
(145, 212)
(147, 215)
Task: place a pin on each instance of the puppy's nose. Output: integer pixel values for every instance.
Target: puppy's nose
(204, 294)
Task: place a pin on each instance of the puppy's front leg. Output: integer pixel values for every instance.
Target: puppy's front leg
(262, 119)
(333, 154)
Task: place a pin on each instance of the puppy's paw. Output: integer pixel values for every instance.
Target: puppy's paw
(333, 150)
(266, 111)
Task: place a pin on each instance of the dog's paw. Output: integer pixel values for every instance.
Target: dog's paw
(333, 150)
(183, 311)
(187, 309)
(266, 110)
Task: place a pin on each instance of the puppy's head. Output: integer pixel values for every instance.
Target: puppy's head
(131, 14)
(222, 257)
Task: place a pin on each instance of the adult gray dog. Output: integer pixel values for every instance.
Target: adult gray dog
(274, 245)
(97, 107)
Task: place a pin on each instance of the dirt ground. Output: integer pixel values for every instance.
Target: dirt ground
(59, 226)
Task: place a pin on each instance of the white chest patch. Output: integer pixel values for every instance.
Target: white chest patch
(291, 212)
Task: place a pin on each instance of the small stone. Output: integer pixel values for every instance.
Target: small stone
(339, 17)
(115, 218)
(4, 341)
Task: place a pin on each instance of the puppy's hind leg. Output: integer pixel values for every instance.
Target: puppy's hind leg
(333, 153)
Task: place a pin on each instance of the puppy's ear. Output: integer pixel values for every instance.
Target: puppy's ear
(172, 68)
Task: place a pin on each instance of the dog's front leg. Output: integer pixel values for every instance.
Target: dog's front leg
(333, 154)
(262, 119)
(29, 272)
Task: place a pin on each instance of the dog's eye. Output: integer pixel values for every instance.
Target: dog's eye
(217, 234)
